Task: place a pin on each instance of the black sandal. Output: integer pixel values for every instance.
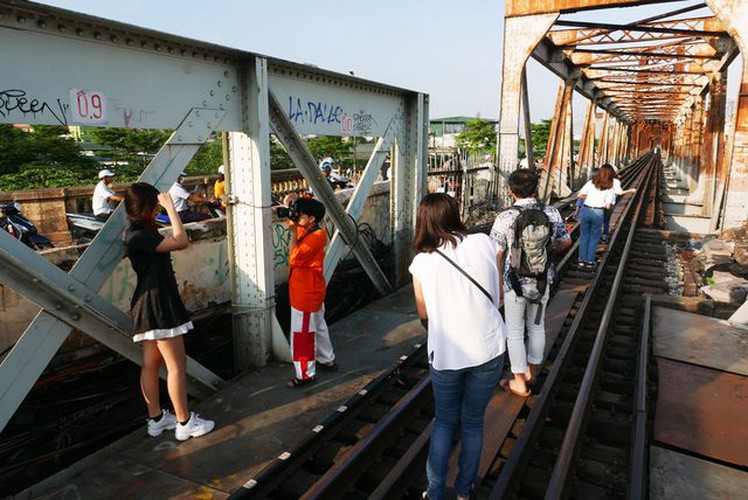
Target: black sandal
(295, 382)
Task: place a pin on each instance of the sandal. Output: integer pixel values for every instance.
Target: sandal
(506, 385)
(330, 366)
(296, 382)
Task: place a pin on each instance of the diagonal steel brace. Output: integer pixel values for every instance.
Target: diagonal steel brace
(304, 160)
(43, 337)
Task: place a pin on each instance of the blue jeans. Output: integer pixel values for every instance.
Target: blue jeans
(590, 225)
(460, 396)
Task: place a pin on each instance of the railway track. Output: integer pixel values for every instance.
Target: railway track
(581, 434)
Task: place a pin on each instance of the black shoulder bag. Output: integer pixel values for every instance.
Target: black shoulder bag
(480, 287)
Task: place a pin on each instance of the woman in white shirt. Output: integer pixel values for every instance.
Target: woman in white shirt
(619, 191)
(598, 196)
(466, 334)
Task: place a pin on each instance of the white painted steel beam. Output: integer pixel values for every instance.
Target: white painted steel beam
(44, 336)
(408, 182)
(355, 206)
(102, 73)
(521, 35)
(250, 239)
(283, 128)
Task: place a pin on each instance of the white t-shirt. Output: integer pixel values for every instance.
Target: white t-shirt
(597, 198)
(100, 202)
(179, 196)
(465, 328)
(617, 188)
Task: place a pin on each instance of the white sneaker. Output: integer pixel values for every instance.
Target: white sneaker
(195, 427)
(167, 422)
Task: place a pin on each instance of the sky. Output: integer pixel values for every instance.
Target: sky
(448, 49)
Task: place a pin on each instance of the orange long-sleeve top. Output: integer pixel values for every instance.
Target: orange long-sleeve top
(306, 282)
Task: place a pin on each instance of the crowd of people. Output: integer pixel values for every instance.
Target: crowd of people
(459, 282)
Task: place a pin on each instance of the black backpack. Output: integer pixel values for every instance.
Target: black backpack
(531, 253)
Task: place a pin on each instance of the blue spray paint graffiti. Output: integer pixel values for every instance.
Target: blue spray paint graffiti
(314, 112)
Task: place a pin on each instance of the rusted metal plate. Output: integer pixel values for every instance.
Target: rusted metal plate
(703, 411)
(528, 7)
(675, 475)
(697, 339)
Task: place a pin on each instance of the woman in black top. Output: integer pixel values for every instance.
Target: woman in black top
(159, 318)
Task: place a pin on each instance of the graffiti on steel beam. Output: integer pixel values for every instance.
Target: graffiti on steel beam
(360, 123)
(281, 244)
(304, 111)
(300, 111)
(17, 101)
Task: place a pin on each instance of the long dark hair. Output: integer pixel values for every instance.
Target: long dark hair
(141, 200)
(604, 179)
(438, 222)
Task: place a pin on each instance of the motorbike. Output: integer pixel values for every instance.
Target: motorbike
(14, 223)
(83, 227)
(214, 209)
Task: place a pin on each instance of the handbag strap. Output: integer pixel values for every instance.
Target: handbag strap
(480, 287)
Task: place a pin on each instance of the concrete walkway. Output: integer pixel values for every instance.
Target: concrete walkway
(257, 419)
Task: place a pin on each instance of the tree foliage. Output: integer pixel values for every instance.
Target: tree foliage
(540, 133)
(44, 146)
(332, 146)
(477, 136)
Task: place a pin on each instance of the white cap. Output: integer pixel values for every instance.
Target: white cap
(105, 173)
(221, 170)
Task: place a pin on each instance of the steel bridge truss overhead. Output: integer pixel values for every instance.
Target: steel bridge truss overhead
(64, 68)
(653, 79)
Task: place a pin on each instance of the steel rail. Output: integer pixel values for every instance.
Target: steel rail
(338, 480)
(638, 468)
(521, 451)
(287, 463)
(557, 487)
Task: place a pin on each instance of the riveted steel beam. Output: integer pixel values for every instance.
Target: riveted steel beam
(44, 336)
(303, 159)
(355, 206)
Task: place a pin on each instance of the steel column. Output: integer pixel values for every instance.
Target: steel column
(250, 238)
(554, 153)
(521, 35)
(408, 182)
(527, 121)
(587, 144)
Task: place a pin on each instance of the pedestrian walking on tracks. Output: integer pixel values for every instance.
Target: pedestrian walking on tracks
(598, 196)
(619, 191)
(159, 317)
(456, 285)
(310, 339)
(527, 235)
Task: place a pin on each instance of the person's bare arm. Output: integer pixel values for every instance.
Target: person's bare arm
(178, 240)
(420, 303)
(499, 265)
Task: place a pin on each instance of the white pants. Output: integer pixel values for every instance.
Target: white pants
(518, 314)
(310, 342)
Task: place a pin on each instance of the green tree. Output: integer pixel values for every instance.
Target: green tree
(207, 159)
(279, 158)
(329, 145)
(478, 135)
(540, 133)
(44, 146)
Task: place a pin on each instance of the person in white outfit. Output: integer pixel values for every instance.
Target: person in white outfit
(456, 285)
(103, 194)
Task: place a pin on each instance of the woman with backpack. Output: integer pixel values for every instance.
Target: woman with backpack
(457, 288)
(598, 196)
